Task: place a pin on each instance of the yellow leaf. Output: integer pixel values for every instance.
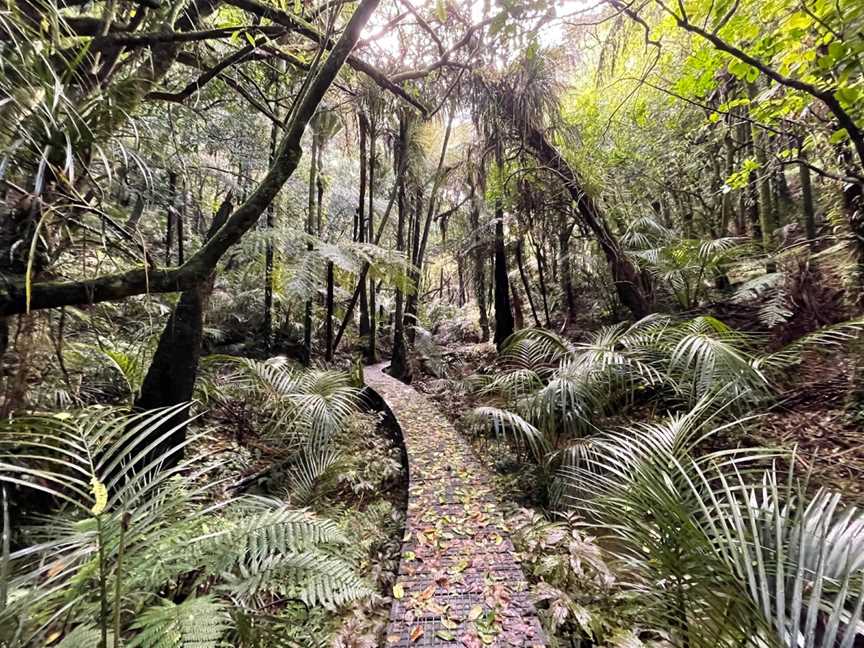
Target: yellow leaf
(475, 613)
(398, 591)
(101, 494)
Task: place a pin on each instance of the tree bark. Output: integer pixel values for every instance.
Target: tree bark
(361, 225)
(170, 379)
(269, 252)
(371, 351)
(807, 208)
(478, 259)
(503, 309)
(328, 324)
(310, 231)
(564, 273)
(400, 365)
(520, 263)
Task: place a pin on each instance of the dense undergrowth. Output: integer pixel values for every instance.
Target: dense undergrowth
(650, 513)
(120, 539)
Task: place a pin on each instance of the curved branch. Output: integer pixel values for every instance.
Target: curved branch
(50, 294)
(844, 119)
(304, 29)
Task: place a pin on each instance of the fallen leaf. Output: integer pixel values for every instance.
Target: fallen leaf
(416, 633)
(475, 613)
(398, 591)
(445, 635)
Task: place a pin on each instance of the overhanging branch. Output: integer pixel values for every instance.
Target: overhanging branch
(50, 294)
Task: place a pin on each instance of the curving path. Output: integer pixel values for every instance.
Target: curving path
(459, 583)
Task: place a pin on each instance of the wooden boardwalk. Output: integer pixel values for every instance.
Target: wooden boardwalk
(459, 583)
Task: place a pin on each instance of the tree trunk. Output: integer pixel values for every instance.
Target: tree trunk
(478, 260)
(269, 252)
(520, 262)
(541, 275)
(411, 302)
(503, 309)
(564, 273)
(170, 379)
(518, 311)
(310, 230)
(807, 208)
(400, 366)
(361, 225)
(328, 325)
(461, 296)
(767, 222)
(371, 351)
(170, 217)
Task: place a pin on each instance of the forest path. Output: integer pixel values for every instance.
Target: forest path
(459, 583)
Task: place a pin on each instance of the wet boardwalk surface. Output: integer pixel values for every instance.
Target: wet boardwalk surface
(459, 583)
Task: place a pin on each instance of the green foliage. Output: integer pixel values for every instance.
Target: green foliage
(298, 407)
(199, 622)
(720, 548)
(133, 528)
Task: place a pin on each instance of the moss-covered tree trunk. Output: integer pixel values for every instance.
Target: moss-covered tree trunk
(361, 224)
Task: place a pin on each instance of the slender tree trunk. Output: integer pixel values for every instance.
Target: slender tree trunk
(767, 221)
(541, 276)
(328, 325)
(460, 275)
(419, 247)
(807, 207)
(269, 252)
(170, 217)
(564, 272)
(400, 365)
(520, 262)
(361, 224)
(170, 379)
(411, 302)
(503, 309)
(478, 260)
(310, 230)
(518, 311)
(371, 351)
(181, 259)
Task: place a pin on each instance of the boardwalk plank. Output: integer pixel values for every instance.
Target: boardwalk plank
(459, 583)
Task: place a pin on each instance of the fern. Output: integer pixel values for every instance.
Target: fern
(84, 636)
(314, 577)
(199, 622)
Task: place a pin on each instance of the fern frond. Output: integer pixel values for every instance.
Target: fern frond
(199, 622)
